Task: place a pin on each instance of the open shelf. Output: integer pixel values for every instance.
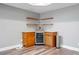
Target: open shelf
(38, 24)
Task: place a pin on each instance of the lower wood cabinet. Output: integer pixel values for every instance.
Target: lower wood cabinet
(50, 39)
(28, 39)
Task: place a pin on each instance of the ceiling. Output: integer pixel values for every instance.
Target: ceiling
(40, 9)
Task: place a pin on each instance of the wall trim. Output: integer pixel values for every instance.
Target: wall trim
(71, 48)
(10, 47)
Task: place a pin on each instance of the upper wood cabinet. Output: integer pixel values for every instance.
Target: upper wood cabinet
(28, 39)
(50, 39)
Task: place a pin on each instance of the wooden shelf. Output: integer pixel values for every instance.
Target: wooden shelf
(32, 18)
(39, 24)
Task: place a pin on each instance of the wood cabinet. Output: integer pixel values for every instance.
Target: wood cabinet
(28, 39)
(50, 39)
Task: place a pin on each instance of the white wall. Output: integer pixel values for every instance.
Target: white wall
(66, 24)
(11, 32)
(69, 32)
(12, 24)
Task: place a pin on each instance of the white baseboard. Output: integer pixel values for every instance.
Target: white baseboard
(11, 47)
(71, 48)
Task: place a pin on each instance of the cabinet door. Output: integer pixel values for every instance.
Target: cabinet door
(28, 39)
(54, 37)
(50, 39)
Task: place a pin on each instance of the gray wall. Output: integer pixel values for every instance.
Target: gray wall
(12, 24)
(66, 23)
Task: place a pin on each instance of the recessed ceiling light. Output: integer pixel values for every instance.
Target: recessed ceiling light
(39, 4)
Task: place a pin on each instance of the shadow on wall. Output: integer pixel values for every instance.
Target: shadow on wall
(59, 41)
